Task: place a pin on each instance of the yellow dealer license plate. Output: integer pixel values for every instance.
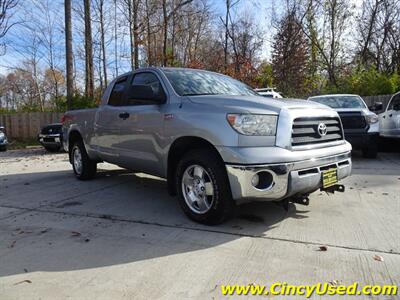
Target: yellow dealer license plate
(329, 178)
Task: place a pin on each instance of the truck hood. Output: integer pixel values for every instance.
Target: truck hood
(364, 111)
(254, 104)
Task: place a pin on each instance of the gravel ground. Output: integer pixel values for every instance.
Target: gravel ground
(120, 236)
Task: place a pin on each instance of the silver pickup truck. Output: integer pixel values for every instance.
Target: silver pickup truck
(213, 138)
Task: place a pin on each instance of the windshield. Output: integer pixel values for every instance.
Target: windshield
(340, 101)
(196, 83)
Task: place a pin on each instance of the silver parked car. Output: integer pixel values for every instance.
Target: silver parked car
(3, 139)
(214, 139)
(269, 93)
(389, 120)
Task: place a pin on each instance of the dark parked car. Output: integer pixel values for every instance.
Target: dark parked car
(51, 137)
(3, 139)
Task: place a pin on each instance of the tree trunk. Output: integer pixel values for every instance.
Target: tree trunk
(228, 4)
(136, 33)
(115, 38)
(131, 30)
(148, 29)
(89, 74)
(69, 54)
(165, 27)
(103, 46)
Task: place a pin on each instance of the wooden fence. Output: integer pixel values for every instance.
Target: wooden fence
(27, 125)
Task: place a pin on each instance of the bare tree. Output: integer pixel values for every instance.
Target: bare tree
(378, 42)
(115, 38)
(69, 54)
(333, 16)
(167, 14)
(89, 73)
(6, 12)
(132, 16)
(100, 4)
(228, 6)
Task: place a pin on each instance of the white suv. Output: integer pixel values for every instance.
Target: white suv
(390, 119)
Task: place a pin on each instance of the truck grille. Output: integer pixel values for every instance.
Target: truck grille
(352, 120)
(305, 131)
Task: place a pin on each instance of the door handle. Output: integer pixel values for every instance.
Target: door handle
(384, 117)
(390, 115)
(124, 115)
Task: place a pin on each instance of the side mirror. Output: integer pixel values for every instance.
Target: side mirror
(377, 106)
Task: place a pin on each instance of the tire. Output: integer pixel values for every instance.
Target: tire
(52, 148)
(84, 168)
(370, 151)
(201, 175)
(3, 148)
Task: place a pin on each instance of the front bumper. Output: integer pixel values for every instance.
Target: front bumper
(362, 140)
(288, 179)
(50, 139)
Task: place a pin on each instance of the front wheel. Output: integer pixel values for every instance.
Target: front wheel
(203, 187)
(84, 168)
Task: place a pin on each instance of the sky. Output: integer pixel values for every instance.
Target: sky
(261, 10)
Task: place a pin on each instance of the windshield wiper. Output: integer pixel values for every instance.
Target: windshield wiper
(200, 94)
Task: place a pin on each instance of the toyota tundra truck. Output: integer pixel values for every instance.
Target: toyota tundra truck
(360, 125)
(215, 140)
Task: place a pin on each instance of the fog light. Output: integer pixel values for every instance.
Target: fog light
(255, 180)
(265, 180)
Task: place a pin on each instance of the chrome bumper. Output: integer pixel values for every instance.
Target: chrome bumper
(288, 179)
(56, 138)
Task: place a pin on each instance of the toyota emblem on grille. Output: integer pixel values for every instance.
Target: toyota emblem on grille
(322, 130)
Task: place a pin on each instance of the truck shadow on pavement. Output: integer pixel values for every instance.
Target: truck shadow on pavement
(53, 222)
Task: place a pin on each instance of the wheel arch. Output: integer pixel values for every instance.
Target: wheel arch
(180, 147)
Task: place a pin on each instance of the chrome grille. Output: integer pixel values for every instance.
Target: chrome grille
(353, 120)
(305, 131)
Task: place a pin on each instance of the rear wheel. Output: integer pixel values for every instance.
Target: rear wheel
(203, 187)
(84, 168)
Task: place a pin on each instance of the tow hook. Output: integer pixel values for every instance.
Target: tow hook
(301, 199)
(334, 188)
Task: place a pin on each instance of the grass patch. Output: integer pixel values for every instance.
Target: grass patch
(14, 144)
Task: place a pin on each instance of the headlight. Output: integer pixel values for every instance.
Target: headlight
(249, 124)
(2, 135)
(372, 118)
